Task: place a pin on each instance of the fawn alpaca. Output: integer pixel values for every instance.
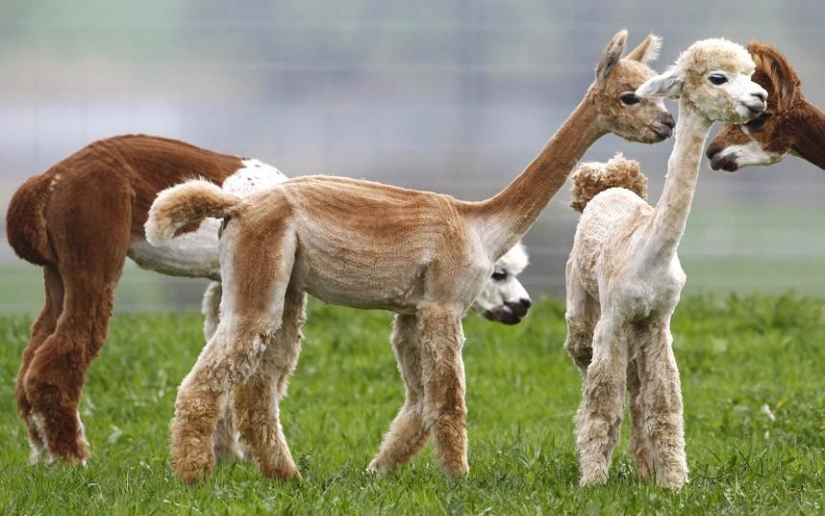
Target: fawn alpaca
(366, 245)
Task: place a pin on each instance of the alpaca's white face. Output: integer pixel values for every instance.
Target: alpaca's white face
(503, 298)
(734, 148)
(714, 75)
(730, 96)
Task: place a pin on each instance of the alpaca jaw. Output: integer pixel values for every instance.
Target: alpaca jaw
(734, 157)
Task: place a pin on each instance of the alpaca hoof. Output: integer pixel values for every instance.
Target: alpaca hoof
(190, 473)
(76, 454)
(593, 479)
(673, 482)
(192, 463)
(457, 472)
(283, 473)
(375, 468)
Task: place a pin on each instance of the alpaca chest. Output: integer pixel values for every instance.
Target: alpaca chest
(656, 289)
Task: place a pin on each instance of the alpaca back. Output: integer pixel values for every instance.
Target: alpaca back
(592, 178)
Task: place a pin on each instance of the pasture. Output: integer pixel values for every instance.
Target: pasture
(752, 378)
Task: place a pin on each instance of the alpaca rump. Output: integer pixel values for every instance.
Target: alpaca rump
(624, 279)
(790, 124)
(362, 244)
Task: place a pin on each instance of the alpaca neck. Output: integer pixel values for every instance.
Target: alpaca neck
(671, 212)
(809, 128)
(506, 217)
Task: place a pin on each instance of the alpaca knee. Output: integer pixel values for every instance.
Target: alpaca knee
(579, 344)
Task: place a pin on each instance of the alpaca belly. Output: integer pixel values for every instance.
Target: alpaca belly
(193, 255)
(363, 288)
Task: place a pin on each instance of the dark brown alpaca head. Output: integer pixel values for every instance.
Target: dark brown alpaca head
(768, 138)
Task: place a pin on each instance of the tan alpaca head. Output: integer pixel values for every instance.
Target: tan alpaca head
(768, 138)
(714, 77)
(620, 111)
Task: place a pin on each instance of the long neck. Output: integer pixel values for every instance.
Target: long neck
(671, 212)
(506, 217)
(809, 128)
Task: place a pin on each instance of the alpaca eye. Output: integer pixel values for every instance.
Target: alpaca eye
(718, 79)
(630, 99)
(757, 122)
(499, 275)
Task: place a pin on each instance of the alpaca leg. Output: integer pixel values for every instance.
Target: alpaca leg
(638, 440)
(257, 401)
(599, 417)
(407, 434)
(442, 369)
(251, 309)
(211, 309)
(90, 245)
(41, 329)
(225, 440)
(226, 361)
(54, 380)
(664, 423)
(582, 315)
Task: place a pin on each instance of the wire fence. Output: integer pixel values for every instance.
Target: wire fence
(455, 97)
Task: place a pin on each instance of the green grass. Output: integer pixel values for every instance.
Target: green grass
(736, 356)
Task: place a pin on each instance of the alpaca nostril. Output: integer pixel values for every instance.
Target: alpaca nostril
(761, 95)
(526, 303)
(713, 149)
(667, 119)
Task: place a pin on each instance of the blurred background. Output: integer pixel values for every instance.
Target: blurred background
(451, 96)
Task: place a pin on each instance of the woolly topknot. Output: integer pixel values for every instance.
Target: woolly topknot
(590, 179)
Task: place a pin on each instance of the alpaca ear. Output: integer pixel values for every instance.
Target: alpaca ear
(668, 84)
(610, 56)
(784, 83)
(648, 50)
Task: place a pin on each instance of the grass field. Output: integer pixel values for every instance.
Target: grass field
(752, 375)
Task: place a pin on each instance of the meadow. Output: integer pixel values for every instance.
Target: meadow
(752, 376)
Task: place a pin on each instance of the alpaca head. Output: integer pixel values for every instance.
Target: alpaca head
(768, 138)
(503, 298)
(712, 76)
(620, 110)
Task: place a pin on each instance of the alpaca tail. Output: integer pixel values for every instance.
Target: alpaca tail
(590, 179)
(183, 204)
(26, 221)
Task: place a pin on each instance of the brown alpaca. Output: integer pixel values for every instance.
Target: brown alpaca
(66, 221)
(79, 220)
(791, 124)
(366, 245)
